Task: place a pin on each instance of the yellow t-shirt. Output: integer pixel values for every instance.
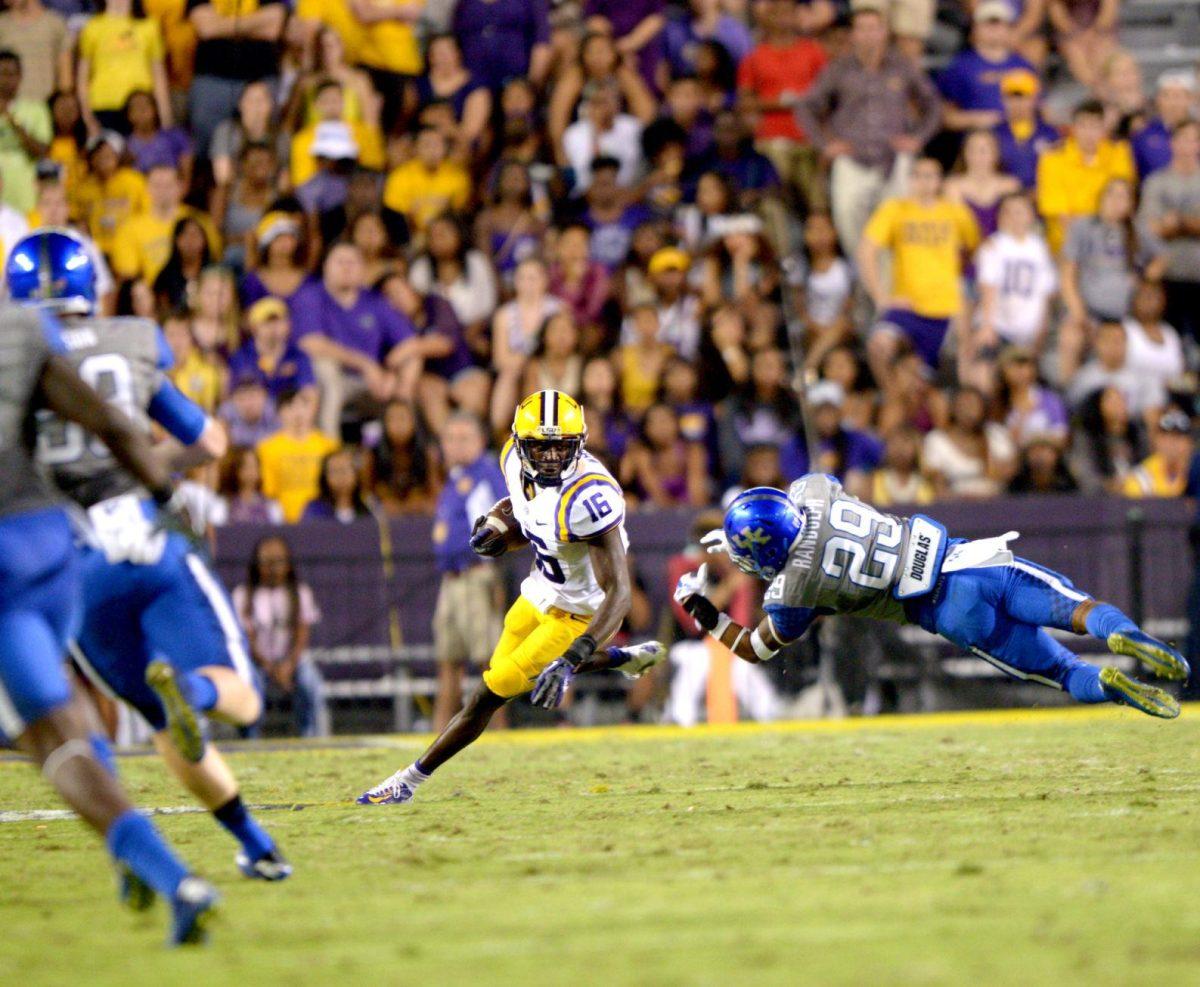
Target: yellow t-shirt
(422, 195)
(639, 384)
(335, 14)
(370, 150)
(64, 151)
(106, 205)
(391, 45)
(1068, 186)
(927, 244)
(143, 242)
(291, 469)
(1150, 479)
(201, 378)
(121, 52)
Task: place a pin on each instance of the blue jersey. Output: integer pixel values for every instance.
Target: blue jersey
(972, 82)
(469, 492)
(38, 575)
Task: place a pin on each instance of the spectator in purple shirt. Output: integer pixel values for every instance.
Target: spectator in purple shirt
(149, 144)
(270, 351)
(705, 21)
(609, 215)
(434, 367)
(504, 39)
(349, 332)
(1173, 101)
(637, 26)
(970, 85)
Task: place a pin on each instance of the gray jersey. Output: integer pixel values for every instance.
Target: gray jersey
(121, 359)
(848, 558)
(24, 350)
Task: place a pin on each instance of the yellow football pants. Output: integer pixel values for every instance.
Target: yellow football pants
(531, 640)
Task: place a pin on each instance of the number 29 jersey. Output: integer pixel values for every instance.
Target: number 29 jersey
(846, 560)
(559, 521)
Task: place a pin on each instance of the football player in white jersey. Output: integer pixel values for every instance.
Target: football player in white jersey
(567, 506)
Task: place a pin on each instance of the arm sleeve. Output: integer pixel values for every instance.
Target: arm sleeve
(184, 419)
(789, 623)
(588, 507)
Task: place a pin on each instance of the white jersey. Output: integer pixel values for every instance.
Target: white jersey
(1024, 277)
(559, 521)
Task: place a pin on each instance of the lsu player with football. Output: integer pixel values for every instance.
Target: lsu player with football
(569, 509)
(158, 630)
(826, 552)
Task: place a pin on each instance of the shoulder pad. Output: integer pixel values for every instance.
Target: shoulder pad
(589, 505)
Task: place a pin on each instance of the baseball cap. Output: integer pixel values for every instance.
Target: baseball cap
(275, 224)
(109, 137)
(669, 259)
(1020, 82)
(1177, 80)
(993, 10)
(1175, 421)
(335, 141)
(264, 309)
(825, 392)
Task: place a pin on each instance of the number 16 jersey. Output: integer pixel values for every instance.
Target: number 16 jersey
(559, 522)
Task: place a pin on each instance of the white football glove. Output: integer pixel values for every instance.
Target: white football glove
(715, 542)
(692, 584)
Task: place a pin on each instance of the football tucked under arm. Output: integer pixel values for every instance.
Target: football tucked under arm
(754, 646)
(497, 531)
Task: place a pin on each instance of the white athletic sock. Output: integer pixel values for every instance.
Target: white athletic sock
(413, 776)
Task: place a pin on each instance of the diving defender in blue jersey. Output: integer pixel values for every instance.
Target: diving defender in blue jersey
(158, 629)
(825, 552)
(39, 597)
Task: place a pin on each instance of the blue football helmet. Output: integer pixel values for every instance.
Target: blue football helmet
(53, 268)
(761, 526)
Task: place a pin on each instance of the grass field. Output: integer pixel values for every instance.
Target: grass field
(1060, 847)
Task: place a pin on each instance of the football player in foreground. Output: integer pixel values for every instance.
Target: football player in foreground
(564, 503)
(158, 629)
(825, 552)
(39, 600)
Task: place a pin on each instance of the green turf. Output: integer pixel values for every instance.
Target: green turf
(1058, 849)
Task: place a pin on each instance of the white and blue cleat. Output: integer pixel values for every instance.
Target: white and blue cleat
(271, 866)
(192, 906)
(390, 791)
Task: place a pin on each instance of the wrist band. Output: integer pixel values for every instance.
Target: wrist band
(760, 647)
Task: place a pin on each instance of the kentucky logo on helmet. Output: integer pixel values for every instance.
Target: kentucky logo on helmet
(761, 526)
(53, 268)
(549, 432)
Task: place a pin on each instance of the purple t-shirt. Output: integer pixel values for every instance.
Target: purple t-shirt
(625, 15)
(496, 37)
(610, 240)
(166, 147)
(440, 319)
(972, 82)
(682, 41)
(370, 326)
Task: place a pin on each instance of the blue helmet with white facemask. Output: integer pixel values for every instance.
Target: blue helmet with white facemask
(761, 526)
(53, 268)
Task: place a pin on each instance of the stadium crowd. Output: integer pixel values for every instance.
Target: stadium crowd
(355, 218)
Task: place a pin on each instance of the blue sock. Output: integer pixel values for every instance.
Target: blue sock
(254, 839)
(104, 754)
(1084, 685)
(133, 840)
(200, 691)
(1104, 619)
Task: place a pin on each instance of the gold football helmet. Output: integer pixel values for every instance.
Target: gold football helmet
(548, 432)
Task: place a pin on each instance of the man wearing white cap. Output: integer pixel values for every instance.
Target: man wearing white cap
(1175, 101)
(970, 85)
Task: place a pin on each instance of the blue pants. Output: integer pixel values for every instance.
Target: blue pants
(176, 610)
(999, 614)
(39, 600)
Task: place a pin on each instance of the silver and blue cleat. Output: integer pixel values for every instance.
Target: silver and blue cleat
(192, 907)
(271, 866)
